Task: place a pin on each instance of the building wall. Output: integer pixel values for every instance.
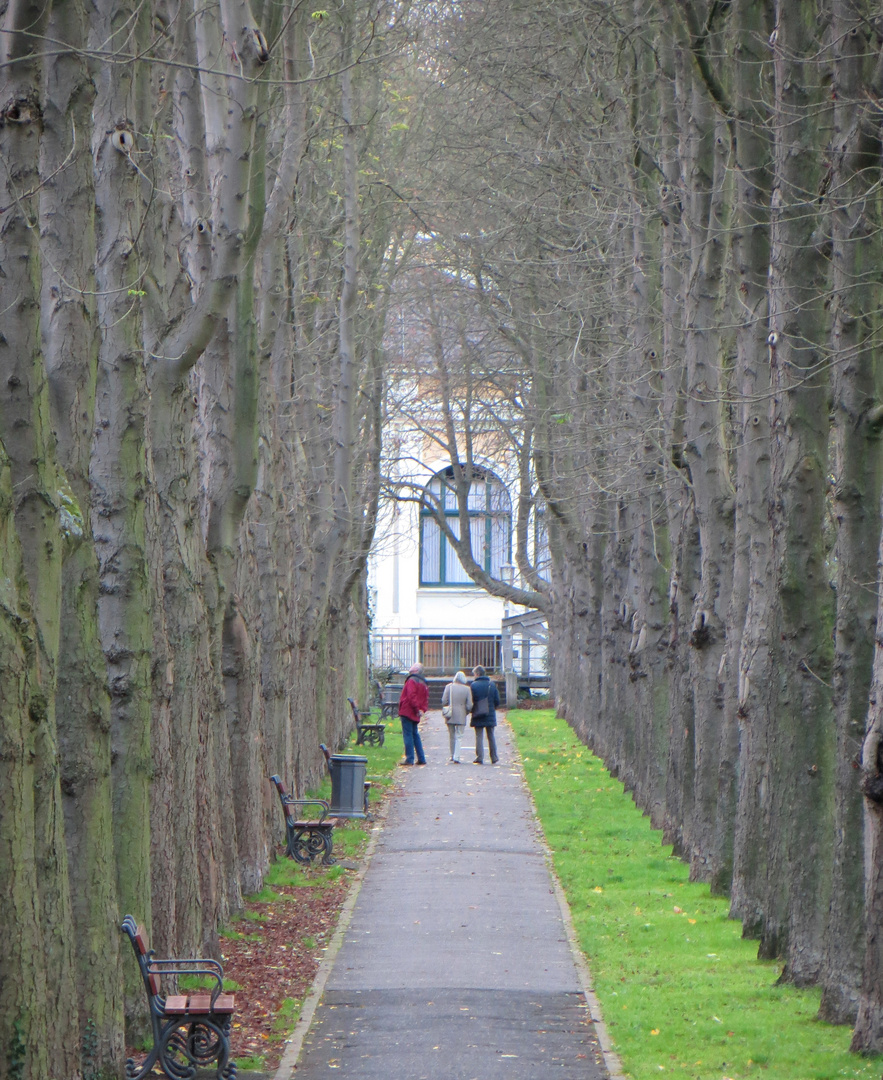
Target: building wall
(400, 604)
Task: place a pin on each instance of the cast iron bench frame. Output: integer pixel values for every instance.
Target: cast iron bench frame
(306, 838)
(190, 1031)
(370, 734)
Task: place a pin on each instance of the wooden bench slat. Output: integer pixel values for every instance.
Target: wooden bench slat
(181, 1004)
(202, 1003)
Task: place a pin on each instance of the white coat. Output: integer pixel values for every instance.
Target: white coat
(459, 697)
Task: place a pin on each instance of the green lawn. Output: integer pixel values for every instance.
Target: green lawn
(682, 994)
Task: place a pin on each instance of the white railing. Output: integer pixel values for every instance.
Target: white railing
(440, 654)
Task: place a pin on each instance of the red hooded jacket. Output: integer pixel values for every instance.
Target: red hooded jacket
(414, 698)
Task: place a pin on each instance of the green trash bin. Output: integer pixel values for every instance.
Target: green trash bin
(348, 785)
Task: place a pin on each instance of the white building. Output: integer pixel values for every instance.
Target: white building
(449, 400)
(424, 605)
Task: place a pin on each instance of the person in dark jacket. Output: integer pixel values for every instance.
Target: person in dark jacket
(485, 699)
(413, 706)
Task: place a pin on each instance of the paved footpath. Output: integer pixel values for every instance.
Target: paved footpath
(456, 963)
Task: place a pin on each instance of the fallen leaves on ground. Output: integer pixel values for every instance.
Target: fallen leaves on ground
(277, 958)
(280, 964)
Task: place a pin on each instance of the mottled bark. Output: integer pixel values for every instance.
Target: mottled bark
(23, 1017)
(122, 507)
(800, 720)
(706, 164)
(855, 256)
(83, 703)
(740, 842)
(37, 487)
(867, 1037)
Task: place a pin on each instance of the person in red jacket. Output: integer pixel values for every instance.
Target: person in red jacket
(413, 706)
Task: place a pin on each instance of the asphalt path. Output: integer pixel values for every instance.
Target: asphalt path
(455, 960)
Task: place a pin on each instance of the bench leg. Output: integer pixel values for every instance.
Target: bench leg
(136, 1072)
(328, 858)
(305, 845)
(187, 1044)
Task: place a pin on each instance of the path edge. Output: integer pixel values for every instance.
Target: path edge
(611, 1058)
(294, 1042)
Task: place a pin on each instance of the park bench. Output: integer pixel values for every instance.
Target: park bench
(307, 838)
(370, 734)
(190, 1031)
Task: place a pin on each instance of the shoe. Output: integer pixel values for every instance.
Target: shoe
(421, 762)
(455, 761)
(406, 763)
(494, 760)
(478, 761)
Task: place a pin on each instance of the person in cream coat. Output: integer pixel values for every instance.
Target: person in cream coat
(456, 700)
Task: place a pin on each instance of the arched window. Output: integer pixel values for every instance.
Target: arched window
(490, 525)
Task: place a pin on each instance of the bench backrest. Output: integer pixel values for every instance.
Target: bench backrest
(135, 934)
(284, 798)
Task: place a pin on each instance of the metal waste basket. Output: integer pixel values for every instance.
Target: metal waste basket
(390, 701)
(348, 797)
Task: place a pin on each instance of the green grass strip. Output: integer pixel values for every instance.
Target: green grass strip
(681, 992)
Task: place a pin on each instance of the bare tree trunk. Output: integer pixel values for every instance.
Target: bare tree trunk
(67, 213)
(801, 749)
(742, 833)
(37, 485)
(644, 603)
(856, 255)
(24, 1020)
(867, 1037)
(706, 164)
(123, 510)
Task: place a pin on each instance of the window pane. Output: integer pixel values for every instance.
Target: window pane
(431, 538)
(454, 572)
(499, 499)
(478, 536)
(477, 496)
(499, 545)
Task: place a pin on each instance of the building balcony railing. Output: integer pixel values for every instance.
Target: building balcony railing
(446, 654)
(440, 654)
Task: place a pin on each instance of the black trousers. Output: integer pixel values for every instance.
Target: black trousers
(491, 744)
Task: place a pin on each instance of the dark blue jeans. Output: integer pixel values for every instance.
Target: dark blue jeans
(411, 737)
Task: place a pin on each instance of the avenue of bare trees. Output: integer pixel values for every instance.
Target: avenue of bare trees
(670, 215)
(637, 250)
(195, 219)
